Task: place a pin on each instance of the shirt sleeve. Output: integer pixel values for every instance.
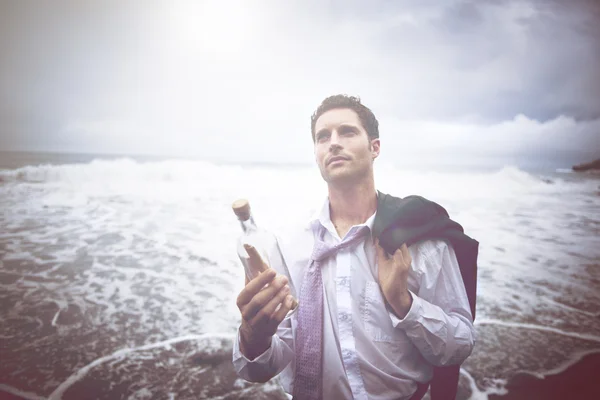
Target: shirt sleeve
(280, 353)
(439, 321)
(271, 362)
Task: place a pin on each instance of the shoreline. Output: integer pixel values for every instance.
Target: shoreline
(577, 379)
(11, 393)
(4, 395)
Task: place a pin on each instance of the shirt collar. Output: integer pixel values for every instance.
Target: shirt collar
(322, 217)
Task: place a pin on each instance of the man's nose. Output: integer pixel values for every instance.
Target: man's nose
(334, 140)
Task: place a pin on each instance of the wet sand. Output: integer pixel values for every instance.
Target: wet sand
(187, 369)
(580, 380)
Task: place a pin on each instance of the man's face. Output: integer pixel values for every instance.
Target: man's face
(343, 150)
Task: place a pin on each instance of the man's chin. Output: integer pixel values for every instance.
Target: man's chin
(340, 177)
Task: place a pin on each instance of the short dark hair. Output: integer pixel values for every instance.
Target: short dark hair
(365, 115)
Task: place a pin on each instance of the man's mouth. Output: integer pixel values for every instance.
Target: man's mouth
(336, 158)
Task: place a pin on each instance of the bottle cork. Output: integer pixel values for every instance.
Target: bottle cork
(241, 208)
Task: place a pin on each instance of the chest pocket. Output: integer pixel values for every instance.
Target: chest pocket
(377, 322)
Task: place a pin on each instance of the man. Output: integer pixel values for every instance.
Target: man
(370, 325)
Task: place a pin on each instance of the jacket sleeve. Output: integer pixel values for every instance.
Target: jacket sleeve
(439, 322)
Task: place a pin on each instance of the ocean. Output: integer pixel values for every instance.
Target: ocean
(119, 275)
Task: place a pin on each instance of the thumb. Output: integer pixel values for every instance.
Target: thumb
(378, 249)
(381, 251)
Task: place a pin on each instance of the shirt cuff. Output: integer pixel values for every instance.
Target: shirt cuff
(411, 317)
(262, 359)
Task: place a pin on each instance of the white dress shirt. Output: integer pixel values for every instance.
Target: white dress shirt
(368, 352)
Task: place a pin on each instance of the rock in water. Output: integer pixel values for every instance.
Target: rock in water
(594, 165)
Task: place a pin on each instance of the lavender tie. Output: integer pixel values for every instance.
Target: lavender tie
(309, 334)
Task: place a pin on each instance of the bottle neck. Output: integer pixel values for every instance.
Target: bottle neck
(249, 225)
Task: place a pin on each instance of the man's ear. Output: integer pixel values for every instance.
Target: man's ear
(375, 148)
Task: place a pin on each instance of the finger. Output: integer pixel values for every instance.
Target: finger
(406, 254)
(264, 315)
(254, 286)
(256, 262)
(398, 257)
(288, 304)
(401, 261)
(262, 298)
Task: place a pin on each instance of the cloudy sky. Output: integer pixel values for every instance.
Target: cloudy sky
(237, 80)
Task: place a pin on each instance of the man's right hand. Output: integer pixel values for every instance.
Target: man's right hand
(258, 303)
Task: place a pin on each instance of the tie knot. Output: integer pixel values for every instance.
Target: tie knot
(323, 250)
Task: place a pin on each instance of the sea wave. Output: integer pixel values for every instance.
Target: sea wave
(208, 349)
(122, 169)
(127, 170)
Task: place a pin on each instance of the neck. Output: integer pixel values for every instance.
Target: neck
(352, 205)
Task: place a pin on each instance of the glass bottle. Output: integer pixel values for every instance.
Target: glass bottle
(262, 240)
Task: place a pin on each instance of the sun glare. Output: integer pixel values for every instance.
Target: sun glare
(221, 27)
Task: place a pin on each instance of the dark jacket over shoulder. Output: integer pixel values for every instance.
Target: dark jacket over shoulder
(413, 219)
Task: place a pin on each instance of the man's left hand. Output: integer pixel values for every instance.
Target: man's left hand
(392, 274)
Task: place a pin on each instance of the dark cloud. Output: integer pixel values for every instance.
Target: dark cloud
(462, 18)
(538, 58)
(70, 68)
